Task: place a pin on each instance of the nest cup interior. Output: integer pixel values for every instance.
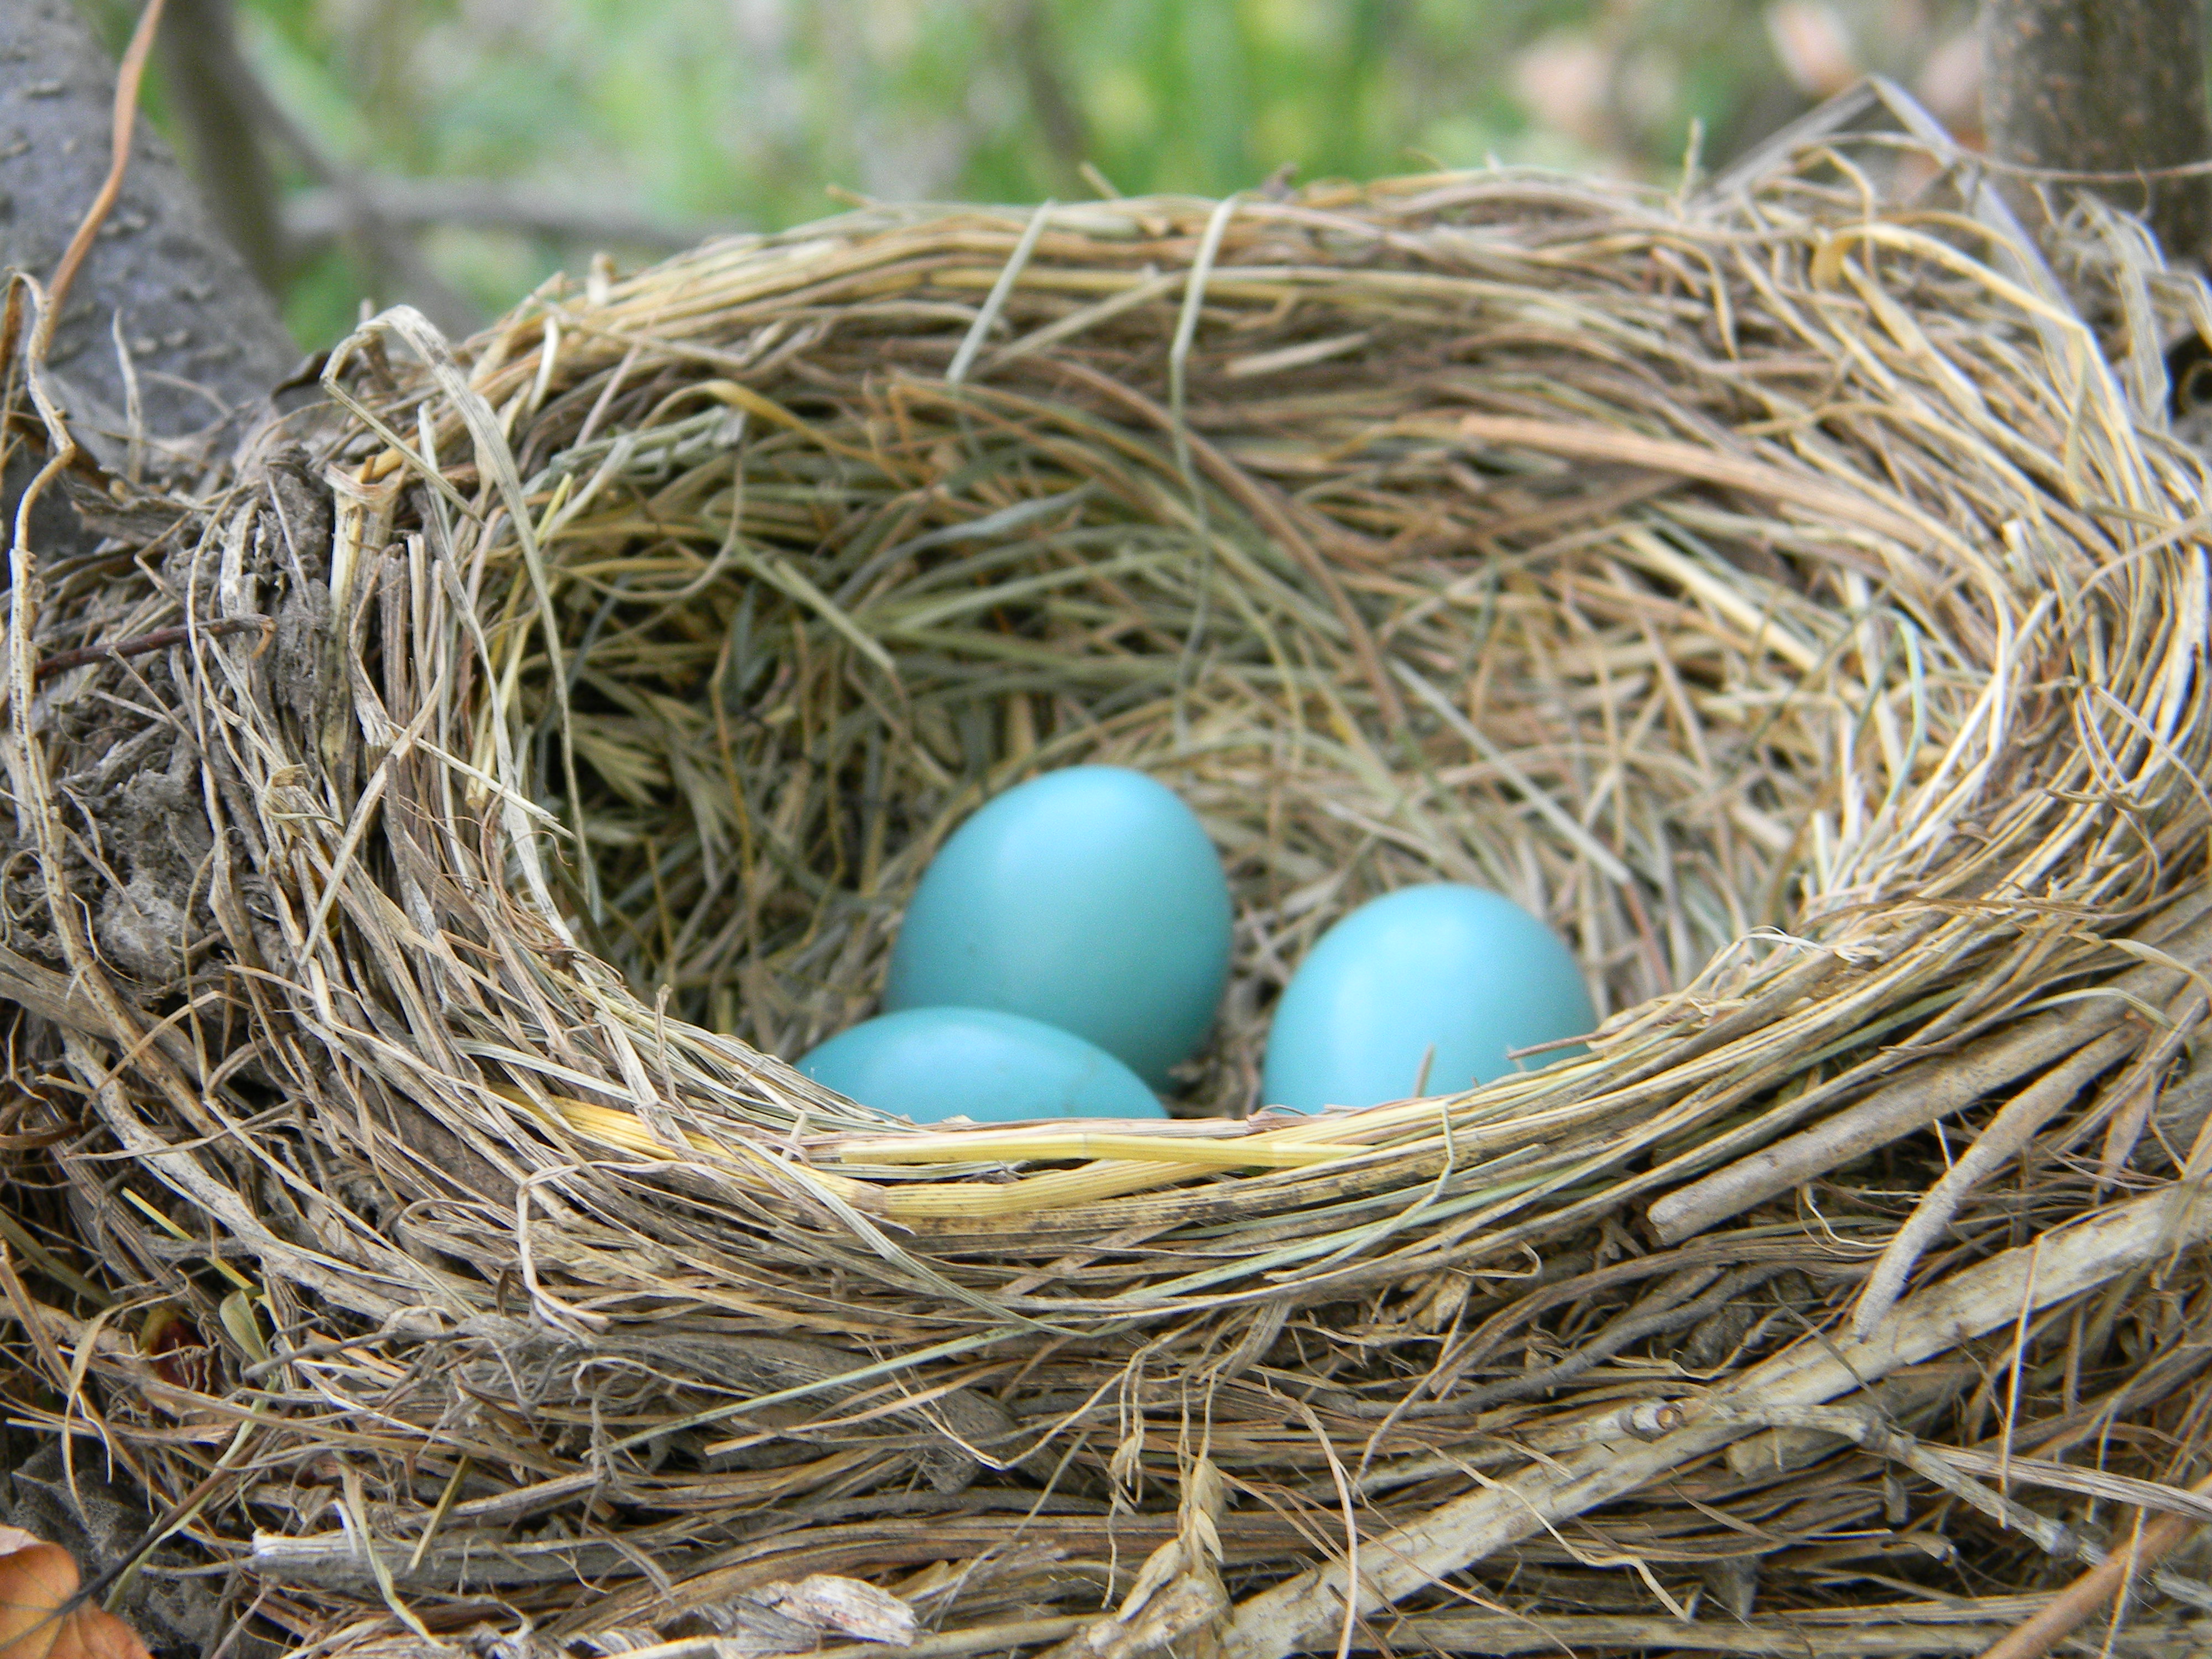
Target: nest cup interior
(807, 628)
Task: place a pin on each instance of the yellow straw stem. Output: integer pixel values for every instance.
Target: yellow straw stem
(1264, 1152)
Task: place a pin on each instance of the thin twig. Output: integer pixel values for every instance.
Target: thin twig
(128, 75)
(2012, 1128)
(2148, 1543)
(160, 640)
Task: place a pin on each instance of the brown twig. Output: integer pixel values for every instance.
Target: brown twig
(127, 78)
(78, 656)
(22, 602)
(2033, 1638)
(326, 212)
(2012, 1128)
(1648, 1319)
(1929, 1089)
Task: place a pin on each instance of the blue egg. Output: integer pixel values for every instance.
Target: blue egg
(1443, 967)
(929, 1064)
(1089, 898)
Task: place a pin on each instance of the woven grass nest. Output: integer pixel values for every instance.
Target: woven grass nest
(426, 843)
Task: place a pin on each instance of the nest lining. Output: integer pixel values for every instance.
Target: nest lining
(777, 713)
(1784, 601)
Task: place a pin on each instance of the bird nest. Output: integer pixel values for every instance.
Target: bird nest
(429, 850)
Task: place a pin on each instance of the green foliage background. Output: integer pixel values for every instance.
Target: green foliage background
(751, 111)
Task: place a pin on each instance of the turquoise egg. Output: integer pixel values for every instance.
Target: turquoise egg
(1088, 898)
(930, 1064)
(1466, 973)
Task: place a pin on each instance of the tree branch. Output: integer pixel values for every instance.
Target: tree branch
(202, 77)
(2112, 86)
(194, 323)
(2144, 1549)
(323, 215)
(1280, 1622)
(397, 265)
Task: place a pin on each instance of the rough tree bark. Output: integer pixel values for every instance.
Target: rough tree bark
(204, 341)
(205, 346)
(2113, 87)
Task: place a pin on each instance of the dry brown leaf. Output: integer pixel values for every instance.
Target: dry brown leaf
(37, 1580)
(96, 1633)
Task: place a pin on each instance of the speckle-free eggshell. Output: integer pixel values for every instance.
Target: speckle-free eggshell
(1090, 898)
(1468, 971)
(930, 1064)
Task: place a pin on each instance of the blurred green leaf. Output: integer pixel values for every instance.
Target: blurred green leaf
(751, 109)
